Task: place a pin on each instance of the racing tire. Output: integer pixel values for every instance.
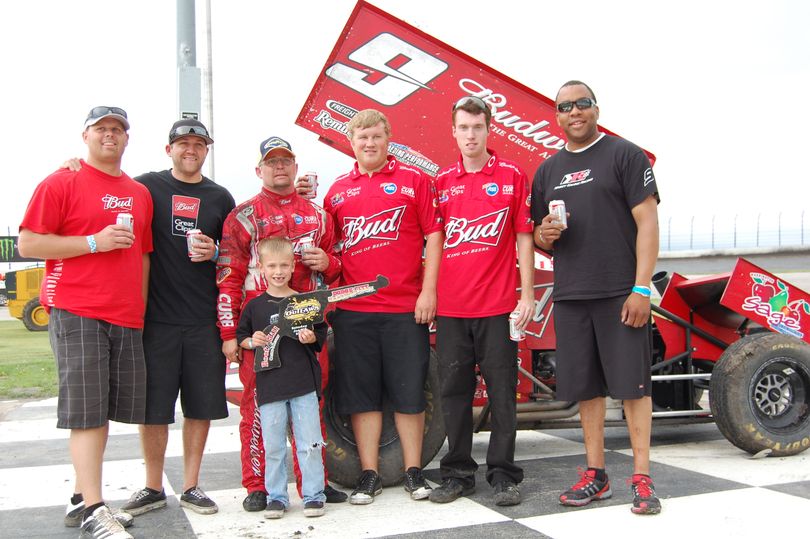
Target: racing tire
(34, 316)
(342, 459)
(760, 394)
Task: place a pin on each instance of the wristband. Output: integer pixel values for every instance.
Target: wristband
(91, 241)
(250, 343)
(642, 290)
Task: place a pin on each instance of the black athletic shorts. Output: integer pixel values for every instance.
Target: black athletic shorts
(101, 371)
(597, 355)
(188, 360)
(377, 355)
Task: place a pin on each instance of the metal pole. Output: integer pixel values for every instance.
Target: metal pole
(209, 86)
(779, 229)
(669, 234)
(713, 216)
(691, 231)
(735, 230)
(188, 75)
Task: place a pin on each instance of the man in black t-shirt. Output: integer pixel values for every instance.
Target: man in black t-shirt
(603, 264)
(181, 340)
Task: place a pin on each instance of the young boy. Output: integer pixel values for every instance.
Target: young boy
(290, 391)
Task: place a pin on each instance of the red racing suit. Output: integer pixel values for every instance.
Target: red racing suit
(239, 279)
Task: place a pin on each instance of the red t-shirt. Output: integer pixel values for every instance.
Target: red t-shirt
(382, 221)
(104, 286)
(482, 212)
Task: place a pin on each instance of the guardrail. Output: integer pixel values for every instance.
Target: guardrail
(705, 232)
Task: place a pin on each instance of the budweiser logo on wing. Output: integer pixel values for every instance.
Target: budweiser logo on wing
(380, 226)
(485, 230)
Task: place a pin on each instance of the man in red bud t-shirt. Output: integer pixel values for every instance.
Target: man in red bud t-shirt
(383, 211)
(484, 202)
(95, 288)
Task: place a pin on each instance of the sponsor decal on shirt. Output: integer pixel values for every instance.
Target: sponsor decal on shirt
(408, 191)
(297, 218)
(648, 177)
(508, 189)
(389, 188)
(456, 190)
(353, 192)
(575, 178)
(484, 230)
(112, 202)
(310, 219)
(381, 226)
(444, 196)
(336, 199)
(491, 189)
(185, 211)
(276, 219)
(222, 275)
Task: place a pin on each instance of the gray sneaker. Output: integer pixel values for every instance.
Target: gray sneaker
(196, 500)
(506, 493)
(102, 525)
(73, 516)
(145, 500)
(450, 490)
(275, 509)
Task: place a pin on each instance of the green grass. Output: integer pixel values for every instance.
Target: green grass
(27, 367)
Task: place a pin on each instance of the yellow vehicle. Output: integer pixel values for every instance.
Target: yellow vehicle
(22, 290)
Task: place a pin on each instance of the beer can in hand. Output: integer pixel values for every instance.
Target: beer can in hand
(125, 219)
(557, 210)
(515, 333)
(192, 239)
(305, 244)
(312, 179)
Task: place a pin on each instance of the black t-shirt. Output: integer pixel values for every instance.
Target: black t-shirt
(181, 291)
(596, 255)
(300, 372)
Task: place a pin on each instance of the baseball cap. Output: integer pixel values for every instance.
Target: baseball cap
(99, 113)
(189, 127)
(274, 143)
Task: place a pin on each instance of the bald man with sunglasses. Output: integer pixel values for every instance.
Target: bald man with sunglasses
(603, 264)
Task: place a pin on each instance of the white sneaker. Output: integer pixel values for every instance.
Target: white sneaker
(102, 525)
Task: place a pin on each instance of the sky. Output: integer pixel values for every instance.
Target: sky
(716, 90)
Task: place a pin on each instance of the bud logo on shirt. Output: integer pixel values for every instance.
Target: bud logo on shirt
(112, 202)
(575, 178)
(485, 230)
(380, 226)
(491, 189)
(185, 211)
(389, 188)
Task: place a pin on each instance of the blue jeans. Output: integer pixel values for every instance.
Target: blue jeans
(306, 426)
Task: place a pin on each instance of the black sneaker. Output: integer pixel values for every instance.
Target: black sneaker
(645, 502)
(450, 490)
(145, 500)
(334, 495)
(73, 516)
(196, 500)
(255, 501)
(415, 484)
(275, 509)
(314, 509)
(368, 486)
(506, 493)
(102, 525)
(588, 488)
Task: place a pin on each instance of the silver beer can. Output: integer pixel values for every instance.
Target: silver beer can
(305, 244)
(125, 219)
(192, 239)
(515, 333)
(557, 210)
(312, 178)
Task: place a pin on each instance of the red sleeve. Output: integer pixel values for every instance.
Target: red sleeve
(523, 204)
(329, 245)
(45, 212)
(234, 254)
(427, 205)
